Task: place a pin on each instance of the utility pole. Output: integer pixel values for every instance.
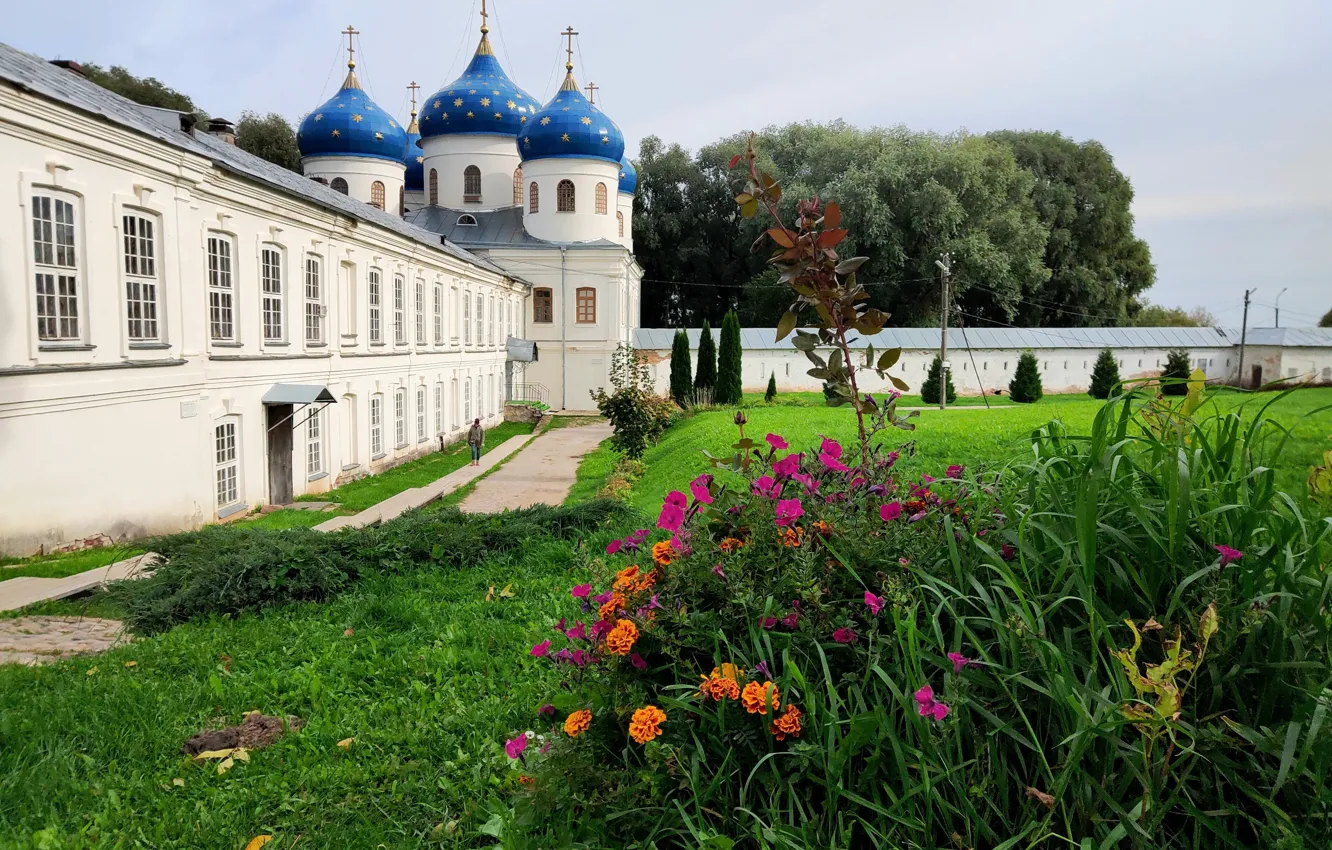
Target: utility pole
(945, 264)
(1276, 308)
(1244, 332)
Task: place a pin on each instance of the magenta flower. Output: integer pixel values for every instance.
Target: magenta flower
(927, 479)
(831, 448)
(928, 706)
(916, 517)
(639, 536)
(600, 629)
(808, 480)
(954, 471)
(762, 669)
(613, 546)
(564, 656)
(580, 591)
(844, 635)
(637, 661)
(540, 650)
(776, 442)
(891, 458)
(602, 598)
(581, 658)
(833, 463)
(1007, 552)
(671, 517)
(699, 487)
(874, 603)
(890, 511)
(787, 466)
(903, 561)
(719, 572)
(766, 487)
(546, 710)
(577, 632)
(788, 511)
(959, 661)
(1228, 554)
(559, 627)
(545, 748)
(768, 623)
(515, 746)
(791, 620)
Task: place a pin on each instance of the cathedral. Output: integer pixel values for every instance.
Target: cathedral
(188, 331)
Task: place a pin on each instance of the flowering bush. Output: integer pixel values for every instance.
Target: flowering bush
(813, 650)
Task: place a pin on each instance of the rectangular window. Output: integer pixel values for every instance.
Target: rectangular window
(543, 306)
(493, 317)
(376, 425)
(439, 314)
(57, 268)
(439, 407)
(420, 312)
(314, 444)
(453, 382)
(587, 304)
(221, 322)
(400, 417)
(375, 297)
(480, 308)
(140, 276)
(314, 301)
(270, 273)
(467, 318)
(399, 310)
(467, 400)
(453, 302)
(420, 414)
(227, 470)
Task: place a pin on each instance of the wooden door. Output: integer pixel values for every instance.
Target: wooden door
(1257, 375)
(279, 454)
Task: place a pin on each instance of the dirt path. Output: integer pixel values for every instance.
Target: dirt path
(542, 473)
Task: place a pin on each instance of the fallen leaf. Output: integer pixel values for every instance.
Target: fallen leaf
(258, 841)
(346, 743)
(91, 670)
(178, 782)
(491, 595)
(507, 592)
(216, 754)
(251, 711)
(226, 662)
(348, 632)
(225, 765)
(1151, 625)
(242, 754)
(131, 664)
(1041, 797)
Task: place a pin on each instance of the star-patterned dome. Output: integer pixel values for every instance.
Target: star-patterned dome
(351, 124)
(569, 126)
(413, 158)
(482, 101)
(628, 176)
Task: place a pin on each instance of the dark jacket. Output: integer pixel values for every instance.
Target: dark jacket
(476, 435)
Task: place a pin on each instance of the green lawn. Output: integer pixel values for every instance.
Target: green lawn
(68, 564)
(812, 399)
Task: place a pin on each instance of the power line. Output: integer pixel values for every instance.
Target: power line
(499, 29)
(462, 42)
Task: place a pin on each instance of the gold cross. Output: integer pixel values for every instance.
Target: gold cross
(351, 51)
(413, 88)
(484, 28)
(592, 93)
(569, 33)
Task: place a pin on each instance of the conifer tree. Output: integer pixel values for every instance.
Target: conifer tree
(929, 390)
(1026, 384)
(1175, 375)
(730, 387)
(1104, 376)
(771, 394)
(706, 376)
(682, 370)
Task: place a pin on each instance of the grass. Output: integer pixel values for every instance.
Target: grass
(66, 564)
(362, 493)
(289, 518)
(814, 399)
(573, 421)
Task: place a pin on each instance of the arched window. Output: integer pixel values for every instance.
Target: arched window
(472, 185)
(518, 186)
(402, 200)
(338, 185)
(434, 188)
(587, 305)
(601, 199)
(467, 220)
(377, 194)
(564, 196)
(319, 180)
(619, 221)
(532, 197)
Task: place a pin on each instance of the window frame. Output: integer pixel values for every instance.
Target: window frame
(599, 199)
(439, 407)
(619, 221)
(339, 184)
(439, 313)
(67, 310)
(533, 198)
(400, 418)
(399, 309)
(434, 187)
(141, 261)
(227, 459)
(272, 295)
(471, 181)
(312, 289)
(421, 435)
(420, 317)
(221, 297)
(377, 426)
(543, 304)
(374, 299)
(314, 445)
(518, 186)
(591, 305)
(479, 319)
(566, 197)
(377, 198)
(467, 316)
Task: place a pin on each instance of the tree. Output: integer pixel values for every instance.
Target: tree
(1026, 384)
(1104, 376)
(682, 378)
(1326, 321)
(706, 376)
(771, 393)
(763, 300)
(730, 386)
(1157, 316)
(1175, 375)
(269, 137)
(929, 389)
(148, 91)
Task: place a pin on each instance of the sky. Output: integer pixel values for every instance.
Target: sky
(1219, 112)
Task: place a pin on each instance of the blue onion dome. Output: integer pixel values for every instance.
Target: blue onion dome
(628, 176)
(483, 101)
(351, 124)
(414, 158)
(570, 126)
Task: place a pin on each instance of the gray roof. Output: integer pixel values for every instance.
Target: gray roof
(36, 75)
(1285, 337)
(493, 229)
(991, 338)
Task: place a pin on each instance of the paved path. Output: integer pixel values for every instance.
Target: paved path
(33, 640)
(542, 474)
(21, 592)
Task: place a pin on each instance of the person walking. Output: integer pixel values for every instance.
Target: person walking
(476, 438)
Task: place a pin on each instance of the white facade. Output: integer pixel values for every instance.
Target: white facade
(361, 174)
(595, 190)
(624, 208)
(497, 165)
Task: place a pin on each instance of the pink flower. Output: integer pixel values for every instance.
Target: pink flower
(514, 747)
(959, 661)
(559, 627)
(890, 511)
(637, 661)
(577, 632)
(768, 623)
(928, 706)
(564, 656)
(875, 603)
(916, 517)
(787, 466)
(833, 463)
(718, 572)
(928, 479)
(788, 511)
(613, 546)
(540, 650)
(581, 658)
(954, 471)
(903, 561)
(791, 620)
(671, 517)
(808, 480)
(844, 635)
(1228, 554)
(675, 497)
(545, 748)
(580, 591)
(600, 628)
(546, 710)
(1007, 552)
(639, 536)
(831, 448)
(766, 487)
(699, 487)
(775, 441)
(602, 598)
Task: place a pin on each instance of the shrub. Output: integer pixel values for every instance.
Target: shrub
(706, 377)
(771, 393)
(1175, 375)
(730, 385)
(929, 388)
(682, 380)
(1104, 376)
(1026, 384)
(637, 414)
(621, 482)
(808, 659)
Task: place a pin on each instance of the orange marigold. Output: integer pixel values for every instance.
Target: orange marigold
(663, 553)
(787, 724)
(621, 639)
(646, 723)
(758, 697)
(792, 536)
(615, 603)
(719, 685)
(577, 723)
(731, 544)
(646, 581)
(625, 578)
(823, 529)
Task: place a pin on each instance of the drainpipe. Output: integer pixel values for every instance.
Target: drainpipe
(564, 344)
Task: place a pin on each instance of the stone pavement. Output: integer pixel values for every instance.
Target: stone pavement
(21, 592)
(34, 640)
(543, 473)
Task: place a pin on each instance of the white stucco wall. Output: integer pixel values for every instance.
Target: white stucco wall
(449, 156)
(360, 172)
(624, 205)
(584, 224)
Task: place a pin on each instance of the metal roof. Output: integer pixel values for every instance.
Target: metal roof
(36, 75)
(298, 394)
(493, 229)
(990, 338)
(1285, 337)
